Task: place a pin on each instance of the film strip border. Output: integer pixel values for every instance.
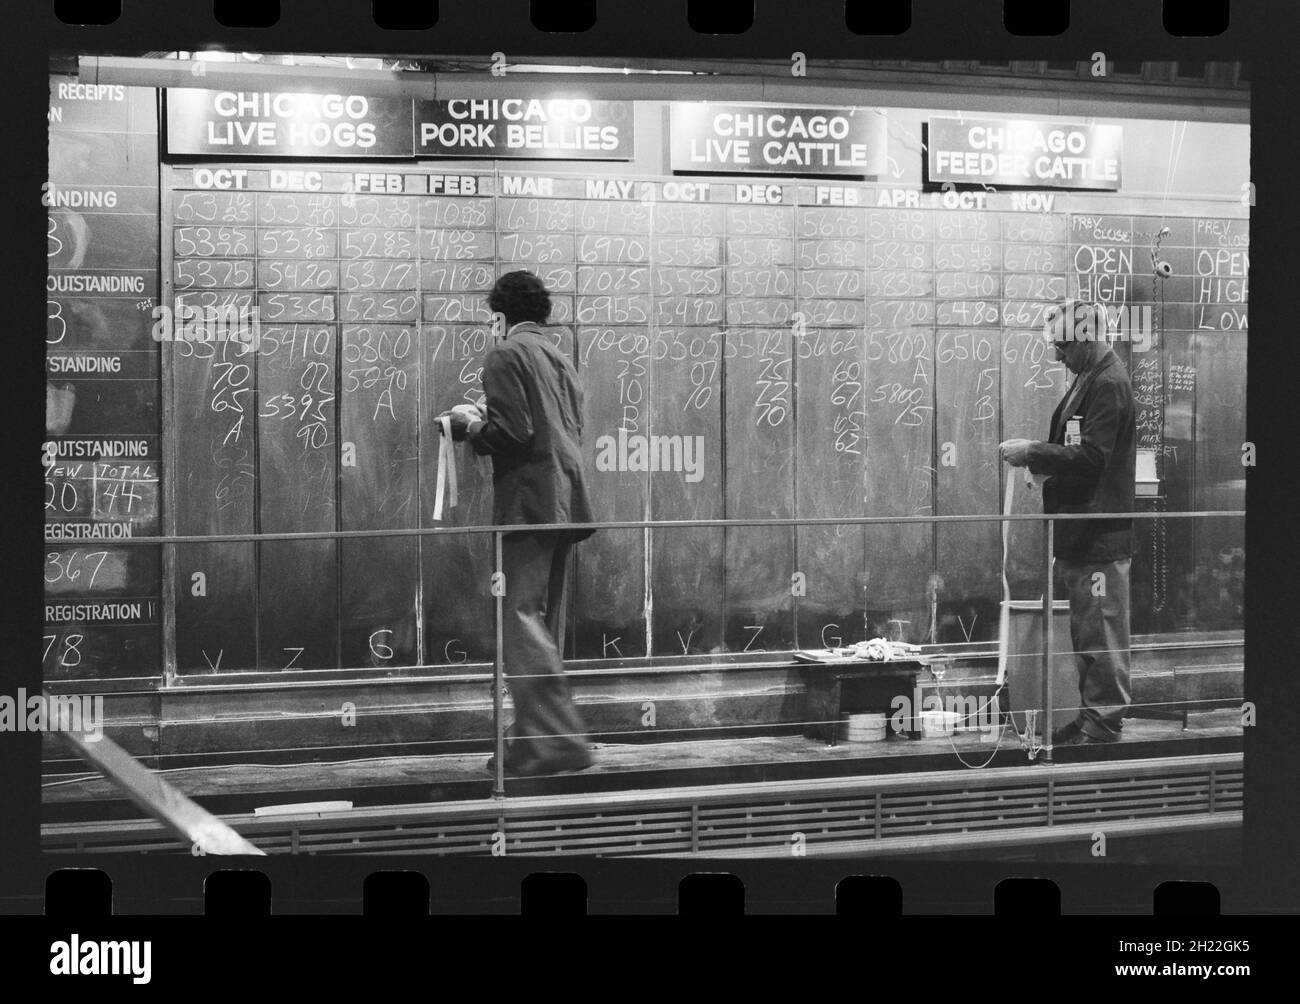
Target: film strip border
(642, 884)
(694, 21)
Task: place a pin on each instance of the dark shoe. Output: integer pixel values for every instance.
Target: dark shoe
(1082, 738)
(539, 767)
(1066, 734)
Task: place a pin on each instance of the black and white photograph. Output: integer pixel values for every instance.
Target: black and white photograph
(600, 458)
(496, 455)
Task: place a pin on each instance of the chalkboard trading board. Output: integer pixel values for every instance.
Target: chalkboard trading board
(836, 354)
(103, 605)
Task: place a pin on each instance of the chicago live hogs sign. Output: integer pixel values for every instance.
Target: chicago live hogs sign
(282, 124)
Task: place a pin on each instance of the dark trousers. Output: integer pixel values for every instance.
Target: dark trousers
(546, 724)
(1099, 631)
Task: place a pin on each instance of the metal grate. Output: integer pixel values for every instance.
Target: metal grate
(899, 810)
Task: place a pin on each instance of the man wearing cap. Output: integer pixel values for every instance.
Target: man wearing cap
(1088, 460)
(531, 426)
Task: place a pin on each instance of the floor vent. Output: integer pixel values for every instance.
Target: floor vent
(897, 810)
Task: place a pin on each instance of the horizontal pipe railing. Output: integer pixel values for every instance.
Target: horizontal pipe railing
(499, 675)
(639, 524)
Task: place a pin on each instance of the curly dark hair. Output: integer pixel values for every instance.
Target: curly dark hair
(520, 296)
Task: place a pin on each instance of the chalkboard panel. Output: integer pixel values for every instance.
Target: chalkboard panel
(444, 277)
(456, 570)
(378, 242)
(108, 158)
(1220, 421)
(611, 310)
(77, 107)
(312, 242)
(206, 241)
(200, 208)
(968, 259)
(1178, 446)
(756, 221)
(900, 423)
(286, 308)
(212, 274)
(293, 274)
(102, 365)
(77, 240)
(614, 218)
(96, 569)
(967, 480)
(830, 390)
(1149, 582)
(104, 407)
(102, 609)
(296, 441)
(394, 213)
(554, 216)
(296, 209)
(900, 389)
(608, 280)
(214, 481)
(463, 245)
(456, 248)
(88, 650)
(610, 591)
(74, 322)
(592, 248)
(115, 492)
(687, 566)
(695, 252)
(1220, 479)
(760, 472)
(433, 214)
(698, 219)
(841, 221)
(836, 361)
(379, 489)
(1206, 292)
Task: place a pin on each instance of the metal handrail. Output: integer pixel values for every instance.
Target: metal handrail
(639, 524)
(499, 530)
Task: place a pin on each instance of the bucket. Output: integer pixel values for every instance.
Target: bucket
(939, 723)
(864, 728)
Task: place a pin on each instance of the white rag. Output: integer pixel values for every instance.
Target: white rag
(1004, 621)
(446, 470)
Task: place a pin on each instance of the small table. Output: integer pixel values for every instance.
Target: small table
(873, 686)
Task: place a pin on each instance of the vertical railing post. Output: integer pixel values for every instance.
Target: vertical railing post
(499, 678)
(1047, 641)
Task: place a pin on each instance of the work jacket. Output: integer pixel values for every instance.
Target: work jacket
(1096, 475)
(533, 432)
